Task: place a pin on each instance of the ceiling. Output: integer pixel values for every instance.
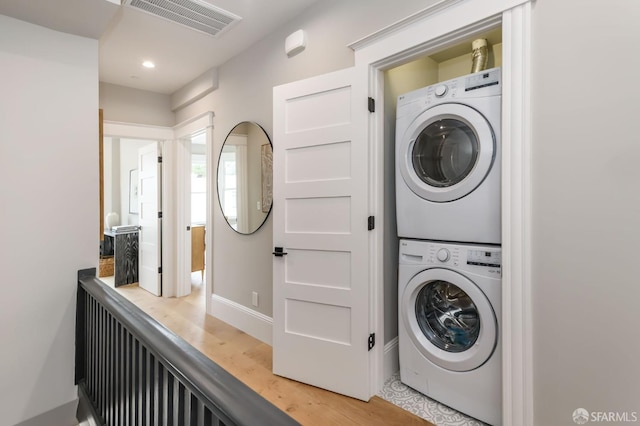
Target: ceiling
(127, 36)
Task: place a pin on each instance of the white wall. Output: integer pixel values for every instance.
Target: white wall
(111, 177)
(120, 157)
(586, 208)
(245, 94)
(128, 161)
(124, 104)
(49, 216)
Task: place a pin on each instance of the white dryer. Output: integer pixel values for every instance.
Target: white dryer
(449, 326)
(448, 160)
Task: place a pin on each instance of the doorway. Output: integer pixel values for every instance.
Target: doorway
(121, 147)
(119, 258)
(199, 175)
(191, 210)
(193, 157)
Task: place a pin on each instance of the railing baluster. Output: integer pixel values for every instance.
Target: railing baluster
(138, 386)
(118, 384)
(188, 416)
(200, 410)
(178, 404)
(110, 371)
(107, 369)
(143, 377)
(135, 372)
(87, 340)
(103, 360)
(154, 384)
(168, 397)
(159, 394)
(93, 371)
(130, 379)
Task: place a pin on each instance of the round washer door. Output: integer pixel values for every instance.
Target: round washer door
(449, 319)
(446, 152)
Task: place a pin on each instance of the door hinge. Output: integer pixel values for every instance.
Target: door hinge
(372, 104)
(371, 223)
(159, 269)
(372, 340)
(159, 159)
(159, 215)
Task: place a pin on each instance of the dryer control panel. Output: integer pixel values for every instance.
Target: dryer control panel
(475, 258)
(482, 79)
(481, 84)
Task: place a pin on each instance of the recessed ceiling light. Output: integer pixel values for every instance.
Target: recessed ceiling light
(148, 64)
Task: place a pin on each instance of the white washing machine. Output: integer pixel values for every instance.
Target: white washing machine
(448, 160)
(449, 326)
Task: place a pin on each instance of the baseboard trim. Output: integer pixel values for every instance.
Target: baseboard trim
(251, 322)
(64, 415)
(391, 358)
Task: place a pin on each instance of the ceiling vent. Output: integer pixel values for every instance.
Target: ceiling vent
(194, 14)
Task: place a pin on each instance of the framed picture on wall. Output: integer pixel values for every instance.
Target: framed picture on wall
(267, 177)
(133, 191)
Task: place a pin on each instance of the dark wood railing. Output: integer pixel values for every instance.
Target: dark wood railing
(133, 371)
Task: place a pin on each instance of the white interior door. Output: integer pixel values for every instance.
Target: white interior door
(320, 190)
(149, 200)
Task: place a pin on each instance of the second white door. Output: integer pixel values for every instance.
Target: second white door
(149, 202)
(321, 261)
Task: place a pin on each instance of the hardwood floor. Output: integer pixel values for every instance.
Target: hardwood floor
(249, 360)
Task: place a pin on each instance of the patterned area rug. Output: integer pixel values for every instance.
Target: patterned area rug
(404, 397)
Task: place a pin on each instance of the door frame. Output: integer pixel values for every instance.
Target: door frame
(165, 136)
(173, 166)
(201, 122)
(434, 28)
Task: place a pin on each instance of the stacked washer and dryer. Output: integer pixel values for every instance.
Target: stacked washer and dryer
(448, 188)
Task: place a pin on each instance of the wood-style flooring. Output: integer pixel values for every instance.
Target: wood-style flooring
(249, 360)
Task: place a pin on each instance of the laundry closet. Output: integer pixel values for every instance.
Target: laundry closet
(454, 61)
(418, 343)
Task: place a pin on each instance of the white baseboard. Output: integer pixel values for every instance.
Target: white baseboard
(391, 358)
(245, 319)
(64, 415)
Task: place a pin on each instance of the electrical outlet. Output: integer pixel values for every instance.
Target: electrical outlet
(254, 298)
(258, 205)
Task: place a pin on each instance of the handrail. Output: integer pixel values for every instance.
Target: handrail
(222, 393)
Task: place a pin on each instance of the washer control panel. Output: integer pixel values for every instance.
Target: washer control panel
(443, 255)
(484, 258)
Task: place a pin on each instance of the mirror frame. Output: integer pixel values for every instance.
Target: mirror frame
(218, 181)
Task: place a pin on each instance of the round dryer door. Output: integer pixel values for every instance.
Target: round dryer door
(447, 151)
(449, 319)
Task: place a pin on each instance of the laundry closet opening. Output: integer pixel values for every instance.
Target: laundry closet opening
(449, 63)
(441, 161)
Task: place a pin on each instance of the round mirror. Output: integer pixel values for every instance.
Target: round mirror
(245, 177)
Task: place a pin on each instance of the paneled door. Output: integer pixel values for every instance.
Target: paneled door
(321, 256)
(149, 203)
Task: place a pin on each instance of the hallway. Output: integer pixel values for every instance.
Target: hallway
(249, 360)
